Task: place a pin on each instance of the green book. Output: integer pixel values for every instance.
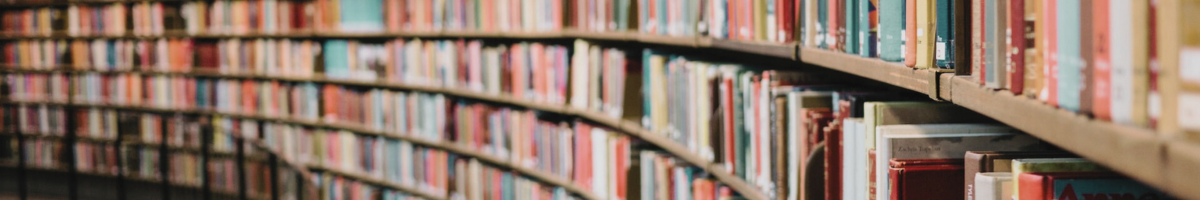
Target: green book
(944, 40)
(891, 30)
(852, 33)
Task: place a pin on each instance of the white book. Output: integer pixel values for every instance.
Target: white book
(73, 20)
(854, 175)
(994, 186)
(579, 71)
(1121, 47)
(941, 141)
(600, 167)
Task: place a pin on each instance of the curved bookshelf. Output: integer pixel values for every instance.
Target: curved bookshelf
(777, 50)
(628, 127)
(303, 172)
(443, 145)
(1140, 153)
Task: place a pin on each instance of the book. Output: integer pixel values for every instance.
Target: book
(1014, 58)
(983, 162)
(991, 186)
(892, 30)
(1034, 165)
(1075, 185)
(941, 141)
(924, 178)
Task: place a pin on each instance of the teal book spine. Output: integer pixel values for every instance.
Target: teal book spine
(822, 23)
(891, 30)
(646, 66)
(661, 14)
(336, 60)
(623, 15)
(943, 52)
(643, 15)
(741, 136)
(361, 15)
(1070, 76)
(852, 33)
(1116, 188)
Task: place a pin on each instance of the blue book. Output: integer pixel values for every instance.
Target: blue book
(891, 30)
(1070, 76)
(622, 14)
(822, 23)
(944, 46)
(662, 16)
(507, 180)
(336, 59)
(852, 32)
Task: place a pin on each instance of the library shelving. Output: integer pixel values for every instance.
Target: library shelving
(1165, 161)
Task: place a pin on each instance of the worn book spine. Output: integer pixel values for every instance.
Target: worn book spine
(910, 33)
(1016, 46)
(1101, 84)
(891, 30)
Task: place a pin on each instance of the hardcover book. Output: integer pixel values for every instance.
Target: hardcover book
(990, 186)
(924, 178)
(1031, 165)
(997, 161)
(943, 141)
(1083, 185)
(891, 30)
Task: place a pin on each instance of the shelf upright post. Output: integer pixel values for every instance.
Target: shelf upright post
(206, 137)
(241, 164)
(73, 172)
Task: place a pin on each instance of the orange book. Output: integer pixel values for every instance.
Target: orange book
(329, 102)
(1101, 77)
(910, 33)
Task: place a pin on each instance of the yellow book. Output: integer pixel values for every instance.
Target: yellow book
(1168, 28)
(1187, 69)
(1141, 63)
(926, 24)
(658, 90)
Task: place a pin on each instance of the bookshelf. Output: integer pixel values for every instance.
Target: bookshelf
(119, 176)
(1165, 162)
(1070, 131)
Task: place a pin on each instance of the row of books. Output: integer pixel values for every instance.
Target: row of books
(271, 16)
(38, 87)
(661, 176)
(773, 21)
(1042, 175)
(525, 70)
(769, 21)
(40, 120)
(161, 55)
(142, 161)
(1117, 60)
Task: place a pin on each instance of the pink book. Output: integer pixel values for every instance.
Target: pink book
(1049, 93)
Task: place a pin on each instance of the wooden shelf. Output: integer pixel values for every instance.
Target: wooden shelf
(778, 50)
(632, 128)
(919, 80)
(443, 145)
(380, 182)
(1168, 164)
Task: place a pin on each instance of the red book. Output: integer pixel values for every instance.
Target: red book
(1016, 46)
(910, 33)
(913, 179)
(1083, 185)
